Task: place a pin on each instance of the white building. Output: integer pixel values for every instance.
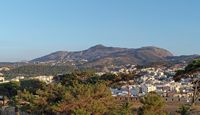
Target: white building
(46, 79)
(175, 86)
(4, 69)
(148, 88)
(2, 79)
(18, 78)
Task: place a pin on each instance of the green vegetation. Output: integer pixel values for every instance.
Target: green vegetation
(184, 110)
(74, 93)
(111, 80)
(195, 65)
(152, 105)
(77, 93)
(10, 89)
(127, 109)
(36, 70)
(189, 69)
(31, 85)
(57, 98)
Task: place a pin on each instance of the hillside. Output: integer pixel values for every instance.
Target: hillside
(102, 55)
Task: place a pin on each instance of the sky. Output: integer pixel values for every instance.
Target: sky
(33, 28)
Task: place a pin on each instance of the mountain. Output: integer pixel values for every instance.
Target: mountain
(101, 55)
(183, 58)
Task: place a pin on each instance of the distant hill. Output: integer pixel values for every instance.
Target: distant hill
(182, 58)
(101, 55)
(99, 58)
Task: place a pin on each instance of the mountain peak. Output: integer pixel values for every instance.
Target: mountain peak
(97, 46)
(150, 47)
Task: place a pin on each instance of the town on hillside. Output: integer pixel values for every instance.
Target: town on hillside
(173, 83)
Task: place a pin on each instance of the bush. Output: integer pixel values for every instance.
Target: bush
(152, 105)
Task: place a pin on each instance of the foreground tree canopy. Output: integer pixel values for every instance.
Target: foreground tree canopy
(73, 93)
(56, 98)
(194, 66)
(152, 105)
(191, 68)
(78, 93)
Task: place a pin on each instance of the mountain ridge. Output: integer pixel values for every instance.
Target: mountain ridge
(99, 53)
(100, 56)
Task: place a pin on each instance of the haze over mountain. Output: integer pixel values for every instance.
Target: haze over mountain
(100, 54)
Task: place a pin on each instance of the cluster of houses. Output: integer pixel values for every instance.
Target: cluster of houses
(158, 80)
(2, 69)
(46, 79)
(120, 69)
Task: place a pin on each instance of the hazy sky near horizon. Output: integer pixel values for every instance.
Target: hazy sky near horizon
(33, 28)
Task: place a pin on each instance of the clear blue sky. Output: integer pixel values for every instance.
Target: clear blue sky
(32, 28)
